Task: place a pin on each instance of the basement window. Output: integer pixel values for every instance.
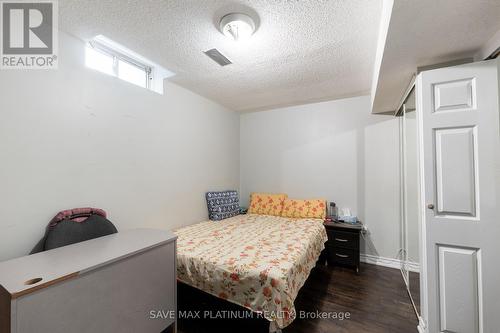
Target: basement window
(108, 57)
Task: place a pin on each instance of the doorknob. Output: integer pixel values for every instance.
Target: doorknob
(430, 206)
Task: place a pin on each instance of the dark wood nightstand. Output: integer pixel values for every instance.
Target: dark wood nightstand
(342, 247)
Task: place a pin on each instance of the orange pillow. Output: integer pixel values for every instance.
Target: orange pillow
(266, 203)
(310, 208)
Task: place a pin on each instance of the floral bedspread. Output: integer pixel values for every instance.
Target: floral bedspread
(257, 261)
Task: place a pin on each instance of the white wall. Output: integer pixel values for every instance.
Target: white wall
(73, 137)
(336, 150)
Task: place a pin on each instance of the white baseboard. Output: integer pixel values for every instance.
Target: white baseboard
(389, 262)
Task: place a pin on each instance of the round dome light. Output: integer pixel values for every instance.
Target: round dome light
(237, 26)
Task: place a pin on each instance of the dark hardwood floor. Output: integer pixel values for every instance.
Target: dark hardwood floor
(376, 300)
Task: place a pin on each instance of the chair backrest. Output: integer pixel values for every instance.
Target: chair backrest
(69, 232)
(73, 226)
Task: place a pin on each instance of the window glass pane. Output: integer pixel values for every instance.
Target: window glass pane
(131, 73)
(99, 61)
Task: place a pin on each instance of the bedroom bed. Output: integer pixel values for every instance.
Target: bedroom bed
(259, 262)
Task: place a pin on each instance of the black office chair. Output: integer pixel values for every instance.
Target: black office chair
(67, 228)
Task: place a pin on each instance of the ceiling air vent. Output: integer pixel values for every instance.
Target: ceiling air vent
(218, 57)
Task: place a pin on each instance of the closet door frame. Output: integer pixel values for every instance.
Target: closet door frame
(403, 175)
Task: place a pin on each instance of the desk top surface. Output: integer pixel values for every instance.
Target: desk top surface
(357, 226)
(69, 261)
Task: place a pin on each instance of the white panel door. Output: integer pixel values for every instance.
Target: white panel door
(458, 115)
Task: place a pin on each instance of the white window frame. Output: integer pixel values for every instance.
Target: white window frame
(116, 55)
(156, 74)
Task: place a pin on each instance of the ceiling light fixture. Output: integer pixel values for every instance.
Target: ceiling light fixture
(237, 26)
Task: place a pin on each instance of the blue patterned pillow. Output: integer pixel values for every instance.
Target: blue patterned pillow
(222, 205)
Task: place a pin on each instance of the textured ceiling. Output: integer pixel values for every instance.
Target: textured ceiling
(303, 51)
(428, 32)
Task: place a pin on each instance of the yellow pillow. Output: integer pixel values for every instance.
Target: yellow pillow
(266, 203)
(310, 208)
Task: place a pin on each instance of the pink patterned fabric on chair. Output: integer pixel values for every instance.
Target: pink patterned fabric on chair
(79, 215)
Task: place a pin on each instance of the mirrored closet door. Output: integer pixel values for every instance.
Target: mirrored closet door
(409, 198)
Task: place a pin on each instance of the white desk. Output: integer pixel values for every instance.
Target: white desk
(107, 284)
